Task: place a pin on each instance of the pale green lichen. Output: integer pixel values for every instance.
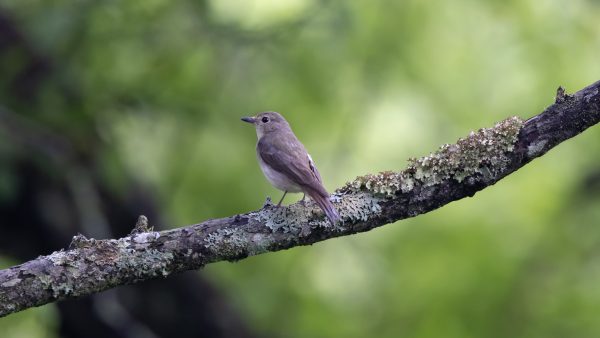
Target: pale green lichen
(63, 258)
(260, 243)
(385, 183)
(359, 207)
(61, 289)
(227, 242)
(145, 237)
(289, 219)
(484, 152)
(129, 254)
(149, 262)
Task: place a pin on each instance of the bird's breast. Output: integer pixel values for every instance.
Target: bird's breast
(277, 179)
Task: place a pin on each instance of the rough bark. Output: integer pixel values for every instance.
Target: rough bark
(453, 172)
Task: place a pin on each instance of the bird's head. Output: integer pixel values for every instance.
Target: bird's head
(267, 122)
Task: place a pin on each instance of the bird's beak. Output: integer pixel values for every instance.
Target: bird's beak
(249, 119)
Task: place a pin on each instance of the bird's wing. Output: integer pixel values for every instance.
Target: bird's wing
(291, 159)
(313, 167)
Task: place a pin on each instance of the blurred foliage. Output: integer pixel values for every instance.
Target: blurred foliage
(365, 85)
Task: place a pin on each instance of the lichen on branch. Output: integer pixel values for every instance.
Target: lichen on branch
(485, 152)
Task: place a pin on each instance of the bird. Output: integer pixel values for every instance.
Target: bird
(285, 162)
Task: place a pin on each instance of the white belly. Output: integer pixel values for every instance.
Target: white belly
(277, 179)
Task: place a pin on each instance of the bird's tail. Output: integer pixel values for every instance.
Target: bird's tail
(325, 204)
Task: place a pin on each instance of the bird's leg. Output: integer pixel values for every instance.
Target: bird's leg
(302, 201)
(281, 200)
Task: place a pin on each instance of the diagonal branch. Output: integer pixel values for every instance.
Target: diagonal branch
(453, 172)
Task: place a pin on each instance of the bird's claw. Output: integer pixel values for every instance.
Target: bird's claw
(303, 200)
(268, 203)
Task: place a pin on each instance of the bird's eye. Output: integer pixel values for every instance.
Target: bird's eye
(265, 119)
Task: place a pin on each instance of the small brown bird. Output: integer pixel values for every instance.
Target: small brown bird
(285, 162)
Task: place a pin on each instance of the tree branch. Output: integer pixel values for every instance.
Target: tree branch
(453, 172)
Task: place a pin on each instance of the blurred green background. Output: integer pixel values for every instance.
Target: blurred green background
(152, 91)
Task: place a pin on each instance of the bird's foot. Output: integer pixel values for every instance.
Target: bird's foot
(268, 203)
(303, 200)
